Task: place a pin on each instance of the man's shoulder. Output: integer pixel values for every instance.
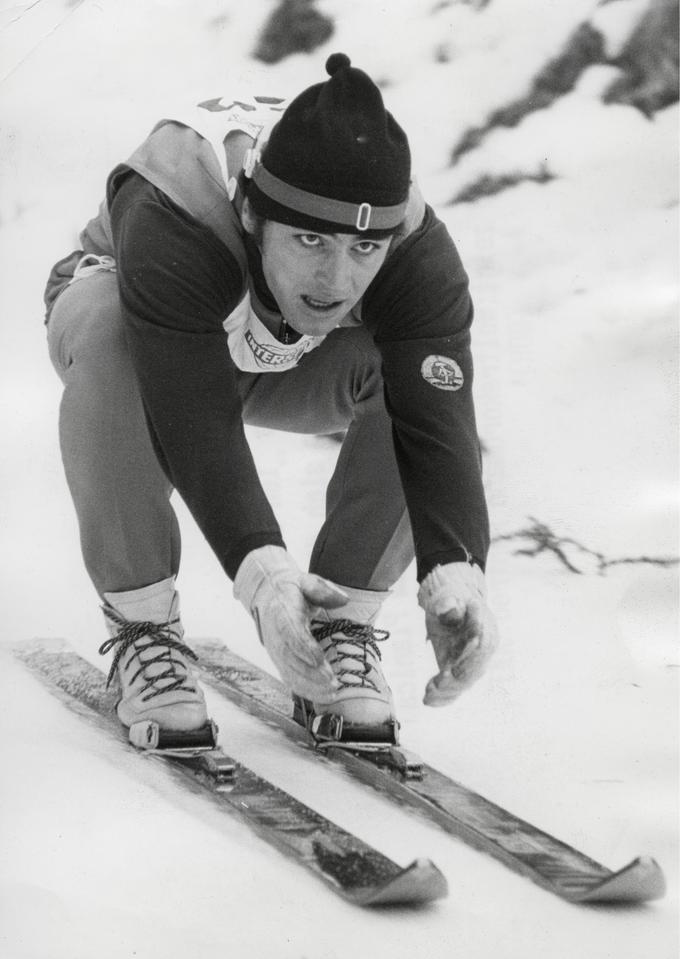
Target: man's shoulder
(426, 250)
(421, 289)
(179, 163)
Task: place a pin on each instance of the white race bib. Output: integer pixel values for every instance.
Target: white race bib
(255, 350)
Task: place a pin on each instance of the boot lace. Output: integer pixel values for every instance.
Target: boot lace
(163, 639)
(352, 668)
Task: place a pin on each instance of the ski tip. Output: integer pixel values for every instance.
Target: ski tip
(419, 883)
(642, 880)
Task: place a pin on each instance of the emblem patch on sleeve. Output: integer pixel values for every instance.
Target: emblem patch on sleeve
(442, 372)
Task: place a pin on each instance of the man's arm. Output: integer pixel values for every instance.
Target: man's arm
(177, 283)
(419, 310)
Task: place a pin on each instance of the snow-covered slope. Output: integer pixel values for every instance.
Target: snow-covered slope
(575, 284)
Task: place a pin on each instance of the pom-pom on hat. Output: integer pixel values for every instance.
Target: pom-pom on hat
(336, 161)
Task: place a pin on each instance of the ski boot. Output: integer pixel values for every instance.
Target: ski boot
(161, 704)
(360, 717)
(362, 710)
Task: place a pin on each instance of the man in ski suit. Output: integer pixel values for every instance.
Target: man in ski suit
(272, 264)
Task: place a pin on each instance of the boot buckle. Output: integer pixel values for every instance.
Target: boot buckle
(148, 735)
(330, 729)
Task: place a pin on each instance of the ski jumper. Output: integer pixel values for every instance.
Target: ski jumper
(161, 329)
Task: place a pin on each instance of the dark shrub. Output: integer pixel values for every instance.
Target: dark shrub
(649, 61)
(295, 26)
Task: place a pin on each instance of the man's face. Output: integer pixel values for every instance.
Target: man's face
(316, 278)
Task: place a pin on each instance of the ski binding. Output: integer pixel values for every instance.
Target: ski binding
(197, 747)
(379, 743)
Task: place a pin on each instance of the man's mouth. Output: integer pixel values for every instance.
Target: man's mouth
(321, 306)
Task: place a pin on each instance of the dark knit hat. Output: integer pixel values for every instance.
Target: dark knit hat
(336, 161)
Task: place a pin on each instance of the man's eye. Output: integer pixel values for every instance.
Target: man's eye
(309, 239)
(365, 247)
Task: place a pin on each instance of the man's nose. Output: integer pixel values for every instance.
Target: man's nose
(332, 271)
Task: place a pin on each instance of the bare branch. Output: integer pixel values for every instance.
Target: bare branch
(539, 538)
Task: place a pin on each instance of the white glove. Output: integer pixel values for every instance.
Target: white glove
(460, 627)
(283, 601)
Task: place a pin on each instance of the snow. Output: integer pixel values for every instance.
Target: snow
(575, 284)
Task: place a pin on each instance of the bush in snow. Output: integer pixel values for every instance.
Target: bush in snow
(584, 48)
(649, 61)
(296, 26)
(488, 185)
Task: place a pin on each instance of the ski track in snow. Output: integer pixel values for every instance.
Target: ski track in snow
(575, 285)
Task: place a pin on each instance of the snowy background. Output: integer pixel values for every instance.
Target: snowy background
(574, 275)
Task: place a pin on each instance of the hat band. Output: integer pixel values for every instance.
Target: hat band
(362, 216)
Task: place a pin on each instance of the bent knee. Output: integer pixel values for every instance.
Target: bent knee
(86, 325)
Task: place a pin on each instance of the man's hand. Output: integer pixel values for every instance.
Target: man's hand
(460, 627)
(283, 601)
